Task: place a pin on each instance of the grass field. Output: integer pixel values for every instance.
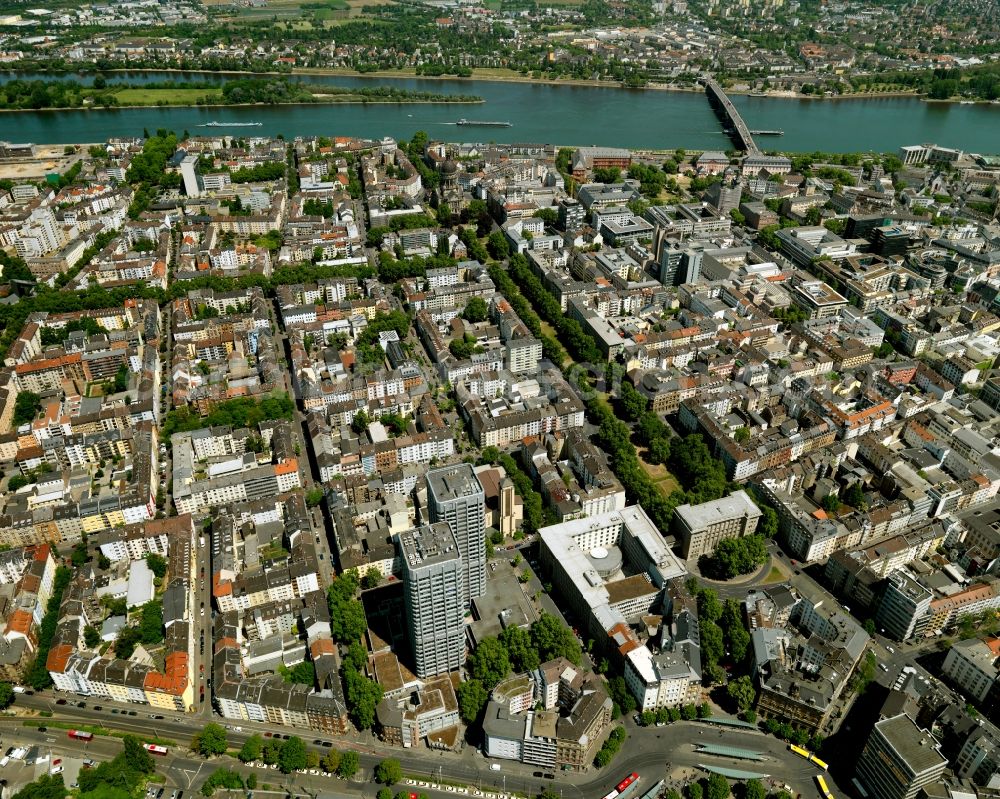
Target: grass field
(548, 330)
(496, 72)
(659, 474)
(776, 575)
(165, 96)
(298, 14)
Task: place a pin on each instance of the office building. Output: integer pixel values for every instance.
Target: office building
(899, 759)
(432, 591)
(572, 215)
(972, 666)
(861, 227)
(671, 258)
(903, 604)
(701, 527)
(889, 240)
(610, 569)
(455, 496)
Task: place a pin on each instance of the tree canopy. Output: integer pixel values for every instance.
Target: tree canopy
(472, 698)
(210, 741)
(252, 749)
(735, 556)
(292, 756)
(476, 310)
(388, 771)
(489, 662)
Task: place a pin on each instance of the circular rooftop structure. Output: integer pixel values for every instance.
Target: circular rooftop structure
(605, 560)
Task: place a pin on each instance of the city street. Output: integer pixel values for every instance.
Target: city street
(652, 752)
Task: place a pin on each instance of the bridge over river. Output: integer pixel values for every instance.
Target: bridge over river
(732, 122)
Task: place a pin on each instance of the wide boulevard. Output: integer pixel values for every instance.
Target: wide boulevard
(655, 753)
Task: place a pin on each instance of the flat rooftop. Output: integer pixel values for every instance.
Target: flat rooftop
(629, 588)
(427, 545)
(915, 746)
(453, 482)
(698, 517)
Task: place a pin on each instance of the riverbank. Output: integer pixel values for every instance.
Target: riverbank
(787, 95)
(103, 109)
(498, 75)
(71, 95)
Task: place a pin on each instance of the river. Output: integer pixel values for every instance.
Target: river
(559, 114)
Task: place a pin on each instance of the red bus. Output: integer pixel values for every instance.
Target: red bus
(623, 787)
(81, 736)
(155, 749)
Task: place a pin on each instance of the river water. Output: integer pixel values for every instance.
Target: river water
(579, 115)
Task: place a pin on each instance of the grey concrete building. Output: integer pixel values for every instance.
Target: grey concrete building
(432, 591)
(455, 496)
(899, 759)
(701, 527)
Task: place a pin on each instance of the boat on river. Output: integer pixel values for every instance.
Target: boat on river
(481, 123)
(231, 125)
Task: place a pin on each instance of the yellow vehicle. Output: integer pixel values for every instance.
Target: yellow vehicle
(800, 751)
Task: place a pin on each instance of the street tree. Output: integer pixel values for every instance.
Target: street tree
(251, 749)
(348, 765)
(210, 741)
(135, 757)
(742, 692)
(330, 761)
(718, 787)
(269, 754)
(292, 756)
(388, 771)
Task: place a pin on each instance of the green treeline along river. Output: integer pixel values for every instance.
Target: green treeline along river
(564, 115)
